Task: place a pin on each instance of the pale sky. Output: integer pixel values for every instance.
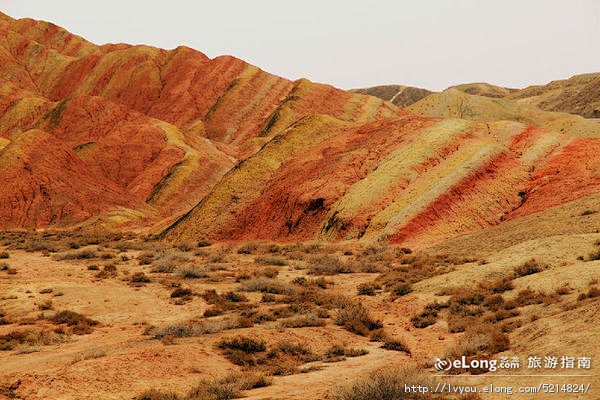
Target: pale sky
(350, 44)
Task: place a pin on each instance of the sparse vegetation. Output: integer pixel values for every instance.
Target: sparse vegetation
(190, 271)
(591, 293)
(396, 344)
(278, 261)
(528, 268)
(385, 385)
(85, 254)
(355, 318)
(301, 321)
(78, 323)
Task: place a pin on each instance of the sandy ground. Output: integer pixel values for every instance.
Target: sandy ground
(117, 361)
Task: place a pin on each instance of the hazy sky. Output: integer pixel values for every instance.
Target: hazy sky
(431, 44)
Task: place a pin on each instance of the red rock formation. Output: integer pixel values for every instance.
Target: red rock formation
(161, 126)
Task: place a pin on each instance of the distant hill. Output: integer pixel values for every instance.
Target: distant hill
(484, 89)
(402, 96)
(579, 94)
(452, 103)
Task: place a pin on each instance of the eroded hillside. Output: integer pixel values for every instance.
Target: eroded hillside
(155, 128)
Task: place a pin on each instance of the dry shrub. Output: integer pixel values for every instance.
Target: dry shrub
(248, 380)
(355, 318)
(240, 350)
(139, 277)
(195, 328)
(591, 293)
(29, 337)
(146, 258)
(527, 297)
(247, 248)
(396, 343)
(243, 343)
(4, 254)
(181, 292)
(339, 351)
(267, 285)
(501, 285)
(301, 321)
(108, 271)
(528, 268)
(563, 290)
(401, 289)
(326, 264)
(481, 339)
(189, 271)
(169, 260)
(79, 324)
(594, 256)
(367, 289)
(33, 245)
(185, 246)
(154, 394)
(85, 254)
(388, 384)
(424, 319)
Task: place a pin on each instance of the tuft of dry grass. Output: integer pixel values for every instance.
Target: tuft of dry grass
(355, 318)
(78, 323)
(195, 328)
(386, 384)
(189, 271)
(20, 338)
(396, 344)
(267, 285)
(301, 321)
(85, 254)
(528, 268)
(269, 260)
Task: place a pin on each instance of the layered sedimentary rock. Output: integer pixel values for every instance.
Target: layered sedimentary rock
(161, 126)
(410, 180)
(136, 137)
